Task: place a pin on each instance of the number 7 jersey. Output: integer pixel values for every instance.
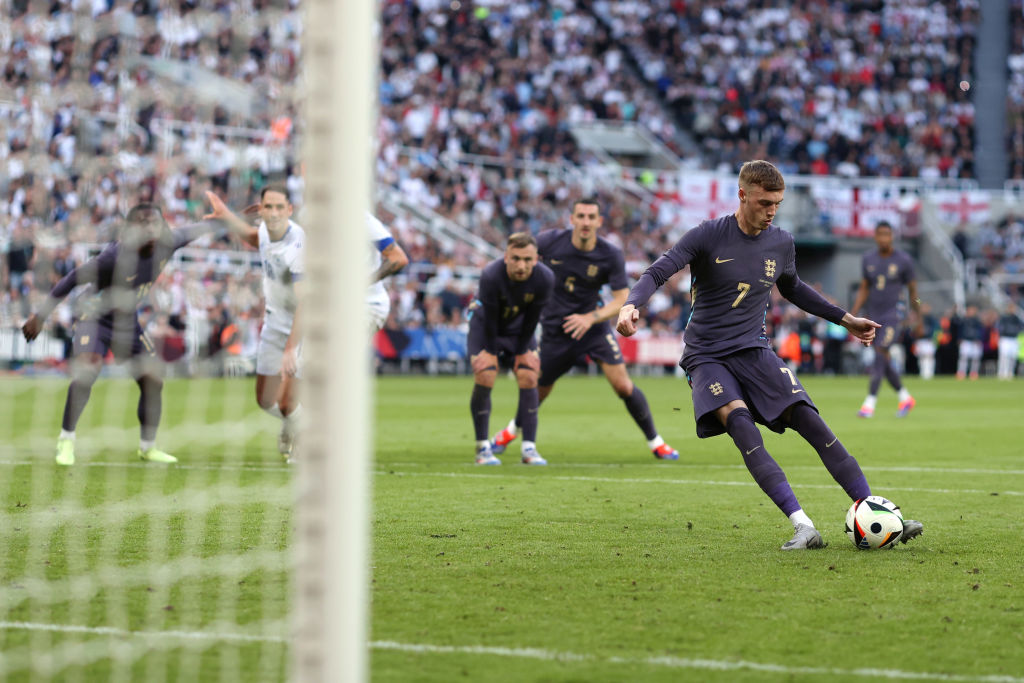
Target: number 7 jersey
(732, 277)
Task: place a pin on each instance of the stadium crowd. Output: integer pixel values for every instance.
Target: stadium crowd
(1015, 93)
(93, 120)
(865, 88)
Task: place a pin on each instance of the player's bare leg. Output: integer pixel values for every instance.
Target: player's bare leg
(85, 369)
(636, 404)
(268, 389)
(288, 404)
(148, 373)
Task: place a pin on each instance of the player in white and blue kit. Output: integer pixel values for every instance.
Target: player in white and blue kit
(281, 242)
(386, 258)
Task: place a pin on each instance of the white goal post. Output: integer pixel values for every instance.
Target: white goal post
(331, 602)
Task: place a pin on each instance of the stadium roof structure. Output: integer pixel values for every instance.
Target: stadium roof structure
(203, 85)
(627, 144)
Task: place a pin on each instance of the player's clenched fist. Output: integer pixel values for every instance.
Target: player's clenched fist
(32, 327)
(628, 317)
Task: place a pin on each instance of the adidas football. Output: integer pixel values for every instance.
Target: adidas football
(874, 522)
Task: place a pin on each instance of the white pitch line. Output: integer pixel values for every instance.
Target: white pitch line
(531, 653)
(227, 467)
(687, 663)
(109, 631)
(705, 466)
(677, 482)
(283, 468)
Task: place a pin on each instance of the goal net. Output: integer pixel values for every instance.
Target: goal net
(229, 564)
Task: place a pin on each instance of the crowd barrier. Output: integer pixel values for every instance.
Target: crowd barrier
(417, 343)
(13, 347)
(443, 344)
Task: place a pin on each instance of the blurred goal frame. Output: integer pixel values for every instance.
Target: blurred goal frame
(331, 540)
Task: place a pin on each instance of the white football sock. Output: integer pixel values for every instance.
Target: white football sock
(800, 517)
(293, 420)
(274, 410)
(904, 394)
(528, 446)
(656, 442)
(512, 428)
(870, 402)
(65, 434)
(146, 444)
(485, 442)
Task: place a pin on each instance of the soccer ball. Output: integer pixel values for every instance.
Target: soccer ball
(874, 522)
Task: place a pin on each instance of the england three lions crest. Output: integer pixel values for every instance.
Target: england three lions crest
(769, 267)
(592, 270)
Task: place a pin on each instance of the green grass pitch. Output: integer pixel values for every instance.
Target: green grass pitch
(604, 566)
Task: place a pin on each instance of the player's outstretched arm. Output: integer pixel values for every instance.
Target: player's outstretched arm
(34, 325)
(246, 232)
(578, 324)
(392, 259)
(861, 328)
(915, 300)
(628, 317)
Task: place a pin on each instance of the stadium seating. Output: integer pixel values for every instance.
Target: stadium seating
(477, 106)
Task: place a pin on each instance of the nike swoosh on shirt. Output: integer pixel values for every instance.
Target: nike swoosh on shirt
(752, 450)
(554, 261)
(829, 444)
(797, 391)
(723, 260)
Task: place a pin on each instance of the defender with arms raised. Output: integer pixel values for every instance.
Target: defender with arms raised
(281, 242)
(118, 279)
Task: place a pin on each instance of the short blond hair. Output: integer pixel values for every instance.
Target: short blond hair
(519, 240)
(763, 174)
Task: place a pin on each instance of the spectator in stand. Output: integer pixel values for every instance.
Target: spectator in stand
(839, 88)
(1009, 327)
(971, 333)
(20, 256)
(926, 331)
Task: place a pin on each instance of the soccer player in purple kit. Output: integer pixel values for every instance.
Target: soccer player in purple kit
(574, 324)
(735, 377)
(120, 276)
(502, 325)
(884, 273)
